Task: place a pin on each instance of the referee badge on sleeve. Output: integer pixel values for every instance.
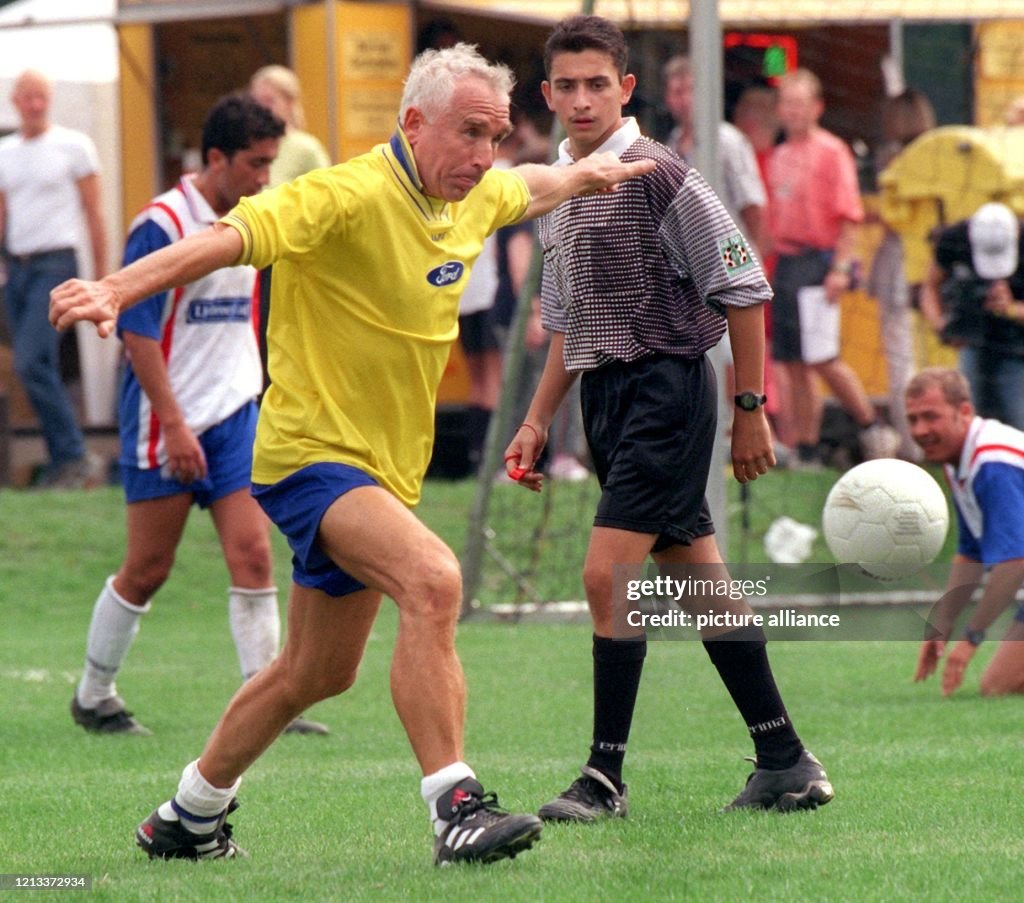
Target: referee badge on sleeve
(735, 254)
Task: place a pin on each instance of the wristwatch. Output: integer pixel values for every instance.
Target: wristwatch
(850, 269)
(974, 637)
(749, 401)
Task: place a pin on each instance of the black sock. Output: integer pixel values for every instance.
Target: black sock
(806, 452)
(742, 662)
(618, 665)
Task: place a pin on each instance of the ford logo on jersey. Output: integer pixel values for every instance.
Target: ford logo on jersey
(446, 274)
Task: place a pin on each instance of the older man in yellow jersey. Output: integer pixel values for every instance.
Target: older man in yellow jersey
(370, 258)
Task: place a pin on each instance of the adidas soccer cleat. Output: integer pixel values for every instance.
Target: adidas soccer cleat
(109, 717)
(590, 797)
(478, 830)
(167, 838)
(802, 786)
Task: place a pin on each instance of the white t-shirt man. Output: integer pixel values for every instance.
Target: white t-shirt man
(39, 179)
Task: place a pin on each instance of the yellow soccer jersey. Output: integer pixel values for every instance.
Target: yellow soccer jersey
(368, 271)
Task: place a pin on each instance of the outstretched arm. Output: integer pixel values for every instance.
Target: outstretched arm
(550, 185)
(178, 264)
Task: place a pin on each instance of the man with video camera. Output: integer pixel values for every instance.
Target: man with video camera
(973, 297)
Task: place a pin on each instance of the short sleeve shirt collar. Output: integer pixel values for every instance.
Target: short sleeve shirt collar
(619, 141)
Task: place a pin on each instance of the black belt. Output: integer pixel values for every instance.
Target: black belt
(23, 259)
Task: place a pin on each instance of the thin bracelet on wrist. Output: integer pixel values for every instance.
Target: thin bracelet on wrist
(532, 429)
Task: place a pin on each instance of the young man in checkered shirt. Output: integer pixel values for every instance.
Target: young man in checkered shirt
(639, 284)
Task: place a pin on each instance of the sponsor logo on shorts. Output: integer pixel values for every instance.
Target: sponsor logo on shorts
(446, 274)
(735, 254)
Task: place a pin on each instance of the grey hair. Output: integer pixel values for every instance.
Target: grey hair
(434, 75)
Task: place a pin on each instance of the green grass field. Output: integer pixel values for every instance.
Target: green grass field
(927, 803)
(544, 538)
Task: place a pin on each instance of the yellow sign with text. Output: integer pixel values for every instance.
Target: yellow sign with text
(374, 49)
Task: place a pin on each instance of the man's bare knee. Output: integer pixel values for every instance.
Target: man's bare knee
(305, 687)
(998, 686)
(989, 687)
(434, 591)
(597, 578)
(597, 586)
(142, 582)
(330, 685)
(253, 559)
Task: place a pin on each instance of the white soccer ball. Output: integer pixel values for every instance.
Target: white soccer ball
(888, 516)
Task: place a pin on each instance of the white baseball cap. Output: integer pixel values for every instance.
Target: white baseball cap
(994, 233)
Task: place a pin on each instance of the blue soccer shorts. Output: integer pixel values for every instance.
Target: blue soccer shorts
(228, 450)
(296, 505)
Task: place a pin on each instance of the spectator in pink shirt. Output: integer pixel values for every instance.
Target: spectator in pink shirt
(815, 208)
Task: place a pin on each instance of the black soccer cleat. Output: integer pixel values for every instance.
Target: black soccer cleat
(109, 717)
(590, 797)
(167, 838)
(801, 786)
(306, 727)
(478, 830)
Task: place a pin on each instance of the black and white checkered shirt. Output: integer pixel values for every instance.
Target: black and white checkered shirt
(648, 268)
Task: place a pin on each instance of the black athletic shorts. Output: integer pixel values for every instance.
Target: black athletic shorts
(651, 425)
(480, 332)
(792, 273)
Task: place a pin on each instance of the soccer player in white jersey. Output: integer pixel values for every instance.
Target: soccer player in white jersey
(639, 284)
(984, 464)
(370, 258)
(187, 418)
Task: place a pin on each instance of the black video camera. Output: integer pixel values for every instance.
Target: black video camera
(963, 300)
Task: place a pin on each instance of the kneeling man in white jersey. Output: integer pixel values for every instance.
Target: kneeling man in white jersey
(984, 465)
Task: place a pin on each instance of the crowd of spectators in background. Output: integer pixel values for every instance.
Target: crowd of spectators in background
(791, 186)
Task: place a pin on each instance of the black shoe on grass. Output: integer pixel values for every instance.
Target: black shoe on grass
(109, 717)
(306, 726)
(167, 838)
(590, 797)
(478, 830)
(801, 786)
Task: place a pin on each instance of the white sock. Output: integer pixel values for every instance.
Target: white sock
(115, 622)
(255, 626)
(434, 785)
(198, 804)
